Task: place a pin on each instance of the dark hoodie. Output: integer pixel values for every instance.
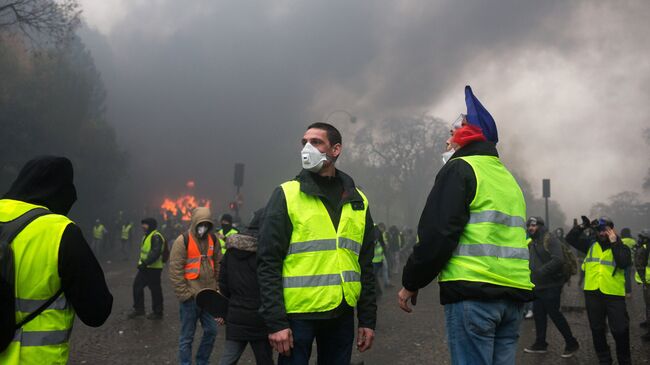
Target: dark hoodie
(238, 283)
(48, 181)
(546, 260)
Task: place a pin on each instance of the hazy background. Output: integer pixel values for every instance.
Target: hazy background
(193, 87)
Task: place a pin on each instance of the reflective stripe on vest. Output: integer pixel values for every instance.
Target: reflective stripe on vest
(322, 264)
(44, 340)
(194, 257)
(493, 247)
(601, 273)
(146, 248)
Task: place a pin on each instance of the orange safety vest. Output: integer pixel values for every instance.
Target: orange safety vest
(193, 263)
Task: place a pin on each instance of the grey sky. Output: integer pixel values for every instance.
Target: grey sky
(194, 86)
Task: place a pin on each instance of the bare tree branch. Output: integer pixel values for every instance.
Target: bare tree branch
(40, 19)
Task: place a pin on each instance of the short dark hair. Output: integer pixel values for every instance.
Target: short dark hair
(333, 134)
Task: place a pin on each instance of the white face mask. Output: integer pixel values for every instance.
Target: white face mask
(447, 155)
(312, 158)
(201, 230)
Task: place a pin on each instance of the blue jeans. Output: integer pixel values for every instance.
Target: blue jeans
(190, 314)
(334, 340)
(483, 333)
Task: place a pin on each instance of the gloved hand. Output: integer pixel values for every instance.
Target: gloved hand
(585, 221)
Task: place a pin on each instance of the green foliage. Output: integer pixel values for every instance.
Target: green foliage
(626, 209)
(52, 102)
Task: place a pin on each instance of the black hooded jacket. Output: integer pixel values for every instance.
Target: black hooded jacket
(442, 222)
(48, 181)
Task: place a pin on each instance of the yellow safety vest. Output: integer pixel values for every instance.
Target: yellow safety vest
(493, 247)
(322, 264)
(98, 232)
(222, 242)
(637, 278)
(126, 231)
(44, 340)
(629, 242)
(379, 254)
(599, 269)
(146, 247)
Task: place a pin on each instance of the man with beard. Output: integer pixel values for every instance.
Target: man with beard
(546, 268)
(604, 286)
(315, 259)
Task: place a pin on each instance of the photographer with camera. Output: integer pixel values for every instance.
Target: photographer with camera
(604, 286)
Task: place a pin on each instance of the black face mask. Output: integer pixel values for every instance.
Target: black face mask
(226, 227)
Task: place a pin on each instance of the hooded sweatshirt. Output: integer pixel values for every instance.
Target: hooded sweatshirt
(48, 181)
(208, 277)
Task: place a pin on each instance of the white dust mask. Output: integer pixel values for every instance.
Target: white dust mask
(312, 158)
(201, 230)
(447, 155)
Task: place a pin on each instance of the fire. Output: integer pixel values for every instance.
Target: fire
(182, 206)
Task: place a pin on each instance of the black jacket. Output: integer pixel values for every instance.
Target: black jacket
(48, 181)
(238, 282)
(442, 222)
(274, 243)
(156, 243)
(546, 265)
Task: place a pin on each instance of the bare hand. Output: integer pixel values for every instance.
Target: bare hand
(403, 297)
(611, 234)
(282, 341)
(220, 321)
(365, 336)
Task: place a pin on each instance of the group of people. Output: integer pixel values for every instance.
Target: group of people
(307, 263)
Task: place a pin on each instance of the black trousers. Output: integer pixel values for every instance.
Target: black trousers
(148, 278)
(603, 310)
(547, 303)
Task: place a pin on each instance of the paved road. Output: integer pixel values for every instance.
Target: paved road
(416, 338)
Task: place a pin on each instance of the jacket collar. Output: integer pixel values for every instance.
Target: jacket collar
(309, 186)
(484, 148)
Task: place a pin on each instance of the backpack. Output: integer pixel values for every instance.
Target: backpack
(569, 259)
(8, 232)
(165, 250)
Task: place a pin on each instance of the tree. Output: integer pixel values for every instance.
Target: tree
(626, 210)
(399, 159)
(52, 102)
(40, 19)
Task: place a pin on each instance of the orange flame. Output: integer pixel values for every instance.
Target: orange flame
(183, 206)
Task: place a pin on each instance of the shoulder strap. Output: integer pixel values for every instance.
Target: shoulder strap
(186, 239)
(9, 231)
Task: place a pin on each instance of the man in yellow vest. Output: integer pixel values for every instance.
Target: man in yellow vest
(642, 276)
(150, 265)
(53, 264)
(604, 286)
(125, 238)
(99, 237)
(315, 259)
(472, 237)
(226, 230)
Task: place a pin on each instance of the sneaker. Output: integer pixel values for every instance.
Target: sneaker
(536, 348)
(529, 314)
(155, 316)
(135, 314)
(570, 350)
